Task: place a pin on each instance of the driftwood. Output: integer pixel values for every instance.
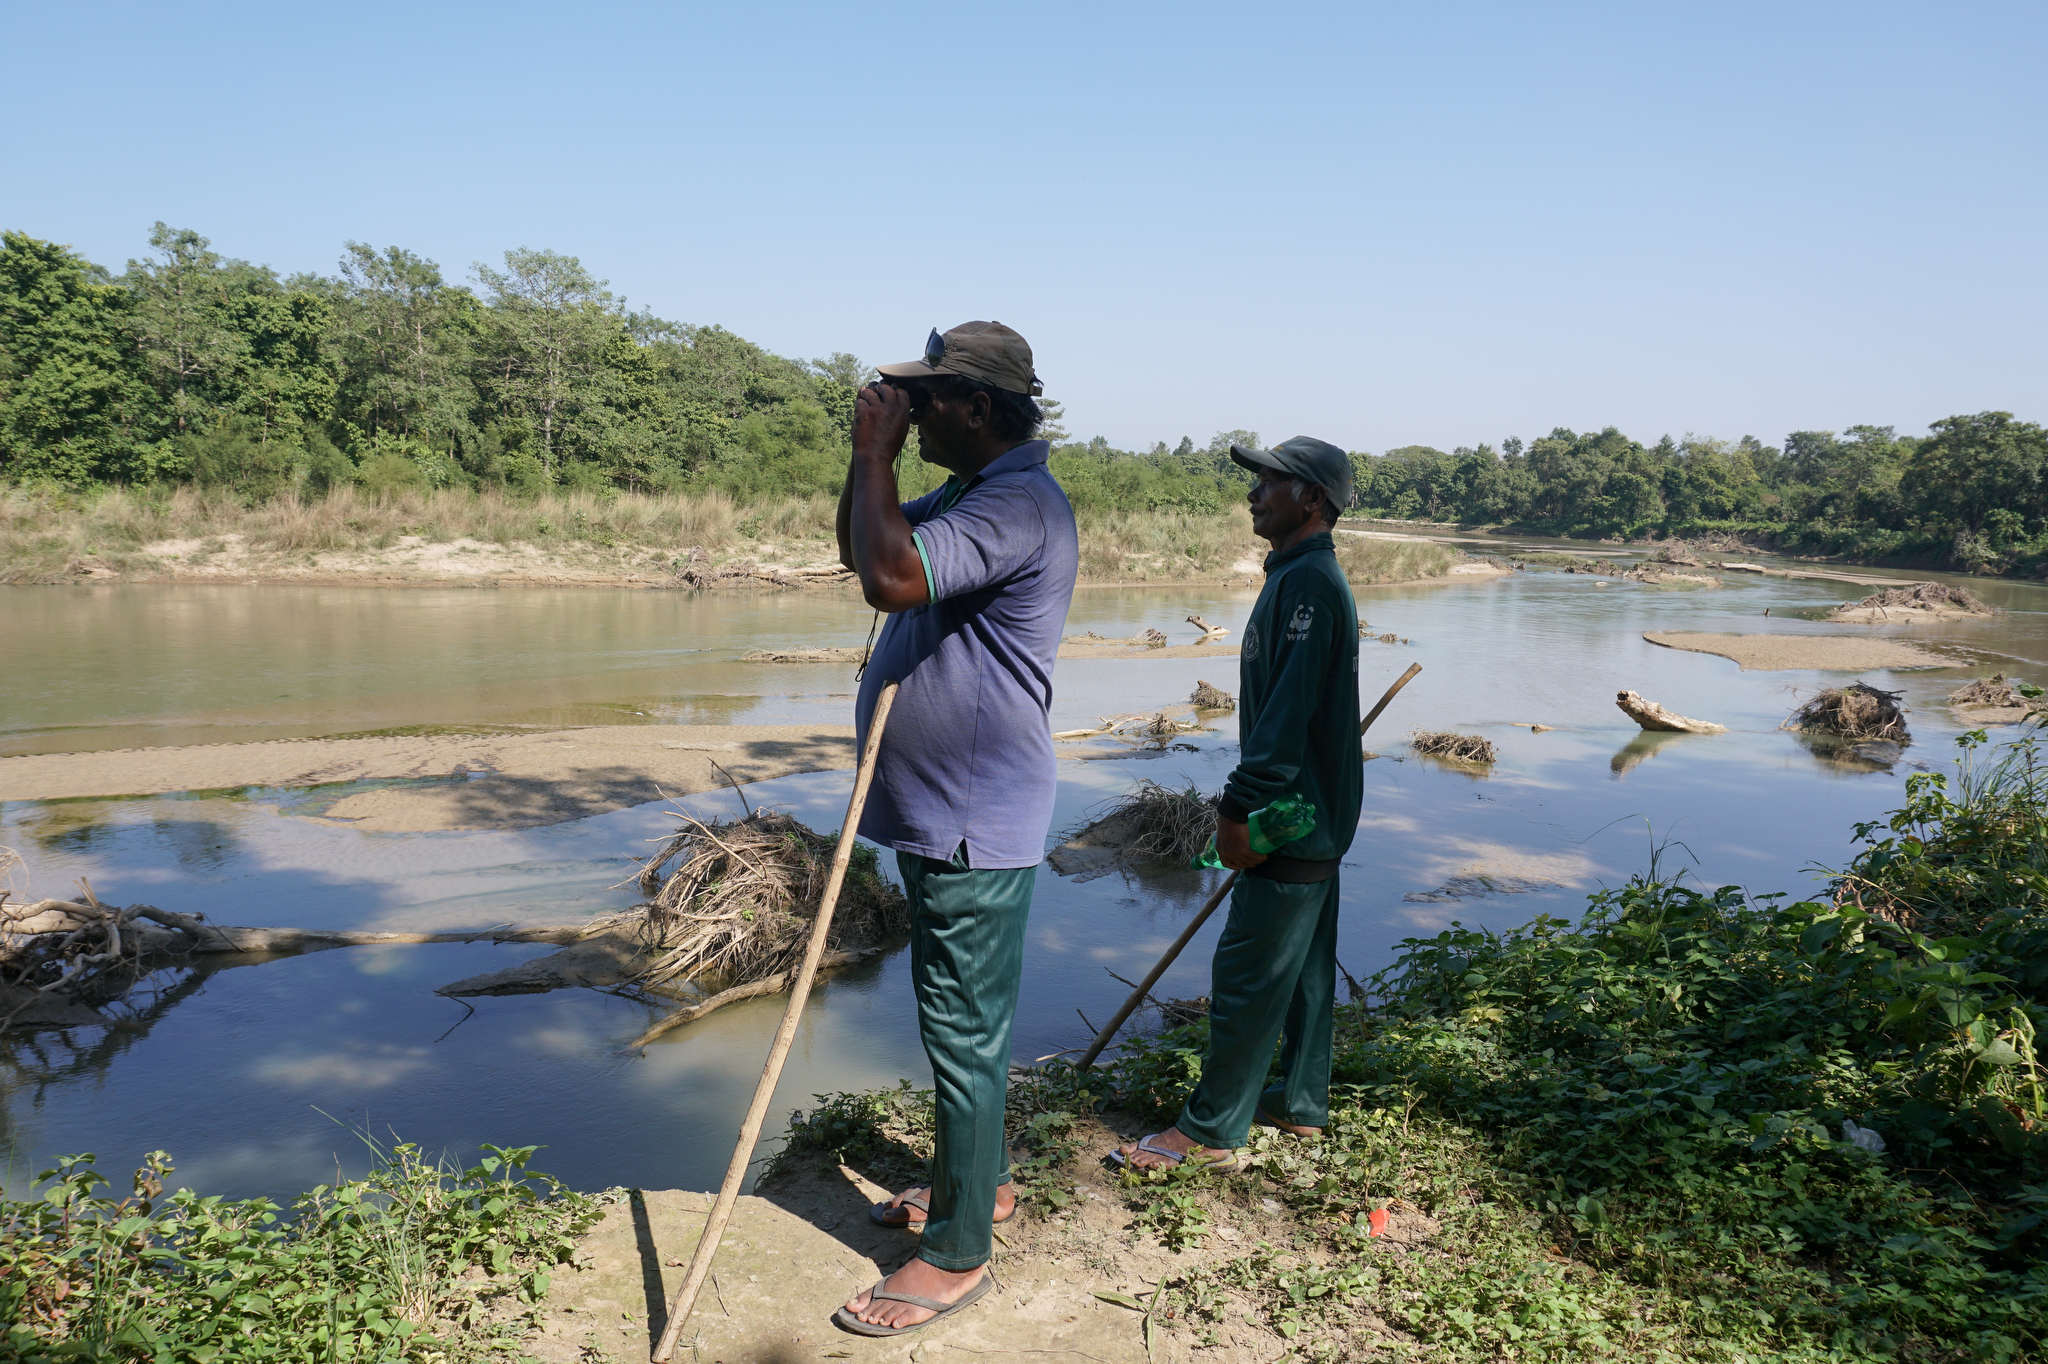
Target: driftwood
(63, 960)
(1656, 719)
(753, 989)
(1208, 631)
(1156, 726)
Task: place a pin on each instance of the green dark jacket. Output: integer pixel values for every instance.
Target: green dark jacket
(1297, 706)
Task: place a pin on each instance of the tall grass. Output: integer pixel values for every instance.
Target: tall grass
(54, 535)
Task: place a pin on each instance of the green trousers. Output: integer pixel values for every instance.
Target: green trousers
(1275, 976)
(966, 956)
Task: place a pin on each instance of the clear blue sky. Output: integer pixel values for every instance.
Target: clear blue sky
(1380, 224)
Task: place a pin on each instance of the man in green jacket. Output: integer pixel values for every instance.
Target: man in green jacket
(1275, 970)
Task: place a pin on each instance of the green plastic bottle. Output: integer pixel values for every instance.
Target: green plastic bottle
(1272, 828)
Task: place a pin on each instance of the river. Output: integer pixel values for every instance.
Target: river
(253, 1077)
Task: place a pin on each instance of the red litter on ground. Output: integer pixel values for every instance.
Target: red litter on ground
(1376, 1222)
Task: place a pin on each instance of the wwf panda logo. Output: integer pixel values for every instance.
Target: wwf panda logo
(1301, 622)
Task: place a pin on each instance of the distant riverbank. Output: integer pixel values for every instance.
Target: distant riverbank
(488, 539)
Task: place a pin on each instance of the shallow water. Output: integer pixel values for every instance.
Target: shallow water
(253, 1075)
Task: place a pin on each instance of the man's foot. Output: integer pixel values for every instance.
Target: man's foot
(1151, 1153)
(900, 1211)
(920, 1279)
(1292, 1129)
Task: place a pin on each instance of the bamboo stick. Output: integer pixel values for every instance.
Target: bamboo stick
(750, 1130)
(1130, 1006)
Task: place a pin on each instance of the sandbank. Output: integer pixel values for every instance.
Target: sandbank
(1069, 648)
(503, 781)
(1825, 653)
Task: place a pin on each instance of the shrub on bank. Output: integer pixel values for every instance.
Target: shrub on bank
(376, 1268)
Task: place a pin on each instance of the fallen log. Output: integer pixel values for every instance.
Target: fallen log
(753, 989)
(1208, 631)
(1656, 719)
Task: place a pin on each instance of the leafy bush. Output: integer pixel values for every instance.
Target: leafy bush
(1646, 1133)
(368, 1269)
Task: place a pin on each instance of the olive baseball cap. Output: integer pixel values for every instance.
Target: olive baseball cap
(987, 351)
(1304, 457)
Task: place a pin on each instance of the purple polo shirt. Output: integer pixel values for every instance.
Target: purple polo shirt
(967, 756)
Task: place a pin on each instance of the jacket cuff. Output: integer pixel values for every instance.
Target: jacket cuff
(1232, 809)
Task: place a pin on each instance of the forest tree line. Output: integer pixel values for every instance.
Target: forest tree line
(193, 367)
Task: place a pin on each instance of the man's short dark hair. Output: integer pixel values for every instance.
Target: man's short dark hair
(1012, 416)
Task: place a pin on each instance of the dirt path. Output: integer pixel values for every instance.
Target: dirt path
(506, 781)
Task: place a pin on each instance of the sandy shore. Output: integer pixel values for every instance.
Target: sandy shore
(1826, 653)
(504, 781)
(1070, 648)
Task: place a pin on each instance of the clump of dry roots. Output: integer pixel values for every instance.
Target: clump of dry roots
(1996, 690)
(734, 903)
(1464, 748)
(1159, 822)
(1858, 711)
(1928, 595)
(77, 949)
(1207, 697)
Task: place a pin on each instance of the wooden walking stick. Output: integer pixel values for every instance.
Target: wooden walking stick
(1202, 915)
(799, 991)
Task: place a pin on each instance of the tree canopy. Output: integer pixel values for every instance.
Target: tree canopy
(193, 366)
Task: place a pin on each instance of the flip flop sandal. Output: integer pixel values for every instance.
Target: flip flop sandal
(1228, 1163)
(847, 1321)
(879, 1213)
(1306, 1133)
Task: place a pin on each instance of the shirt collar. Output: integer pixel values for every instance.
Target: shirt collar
(1320, 540)
(1018, 458)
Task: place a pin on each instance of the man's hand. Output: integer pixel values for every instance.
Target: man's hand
(1234, 845)
(881, 422)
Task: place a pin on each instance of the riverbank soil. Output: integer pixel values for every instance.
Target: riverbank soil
(513, 780)
(1826, 653)
(803, 1245)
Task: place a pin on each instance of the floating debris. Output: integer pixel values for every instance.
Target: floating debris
(1209, 631)
(1654, 717)
(1463, 748)
(1937, 599)
(1858, 711)
(734, 902)
(1207, 697)
(1151, 823)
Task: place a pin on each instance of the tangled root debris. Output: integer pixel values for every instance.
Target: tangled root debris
(1857, 711)
(734, 903)
(1464, 748)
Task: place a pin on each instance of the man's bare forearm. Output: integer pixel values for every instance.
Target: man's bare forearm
(883, 553)
(842, 522)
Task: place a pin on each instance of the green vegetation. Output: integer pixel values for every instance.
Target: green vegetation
(192, 368)
(1972, 494)
(416, 1261)
(1645, 1136)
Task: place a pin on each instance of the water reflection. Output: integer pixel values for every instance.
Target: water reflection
(225, 1067)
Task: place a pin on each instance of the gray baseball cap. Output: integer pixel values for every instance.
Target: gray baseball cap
(1304, 457)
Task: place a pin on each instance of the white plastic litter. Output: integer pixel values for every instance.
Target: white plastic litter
(1863, 1138)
